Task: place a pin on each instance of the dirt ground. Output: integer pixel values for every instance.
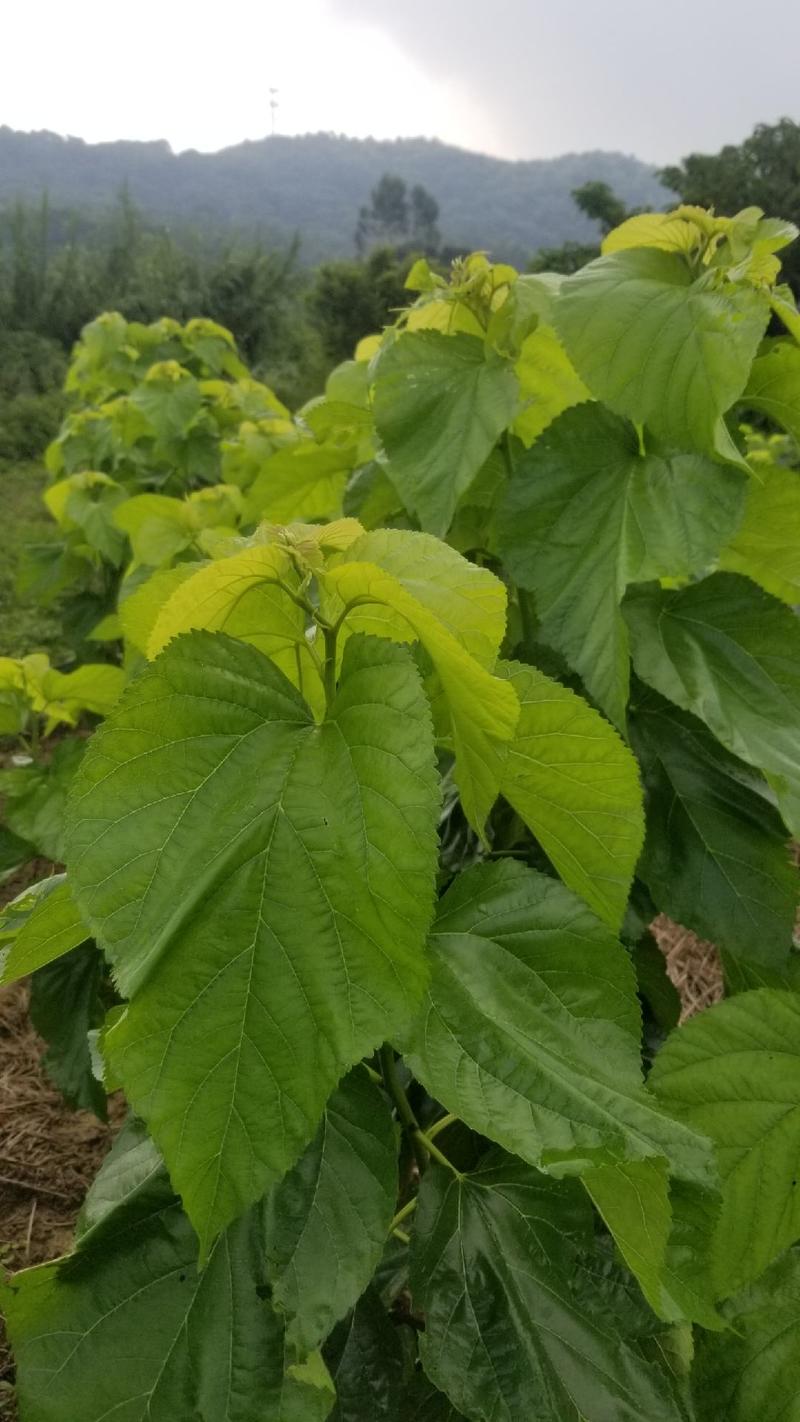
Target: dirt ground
(49, 1154)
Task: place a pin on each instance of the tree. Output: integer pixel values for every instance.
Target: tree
(393, 217)
(424, 217)
(763, 171)
(600, 203)
(352, 299)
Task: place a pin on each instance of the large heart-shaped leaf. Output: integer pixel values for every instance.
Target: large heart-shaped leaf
(586, 514)
(753, 1369)
(530, 1029)
(517, 1322)
(328, 1219)
(726, 650)
(441, 403)
(661, 345)
(766, 546)
(734, 1074)
(126, 1326)
(262, 886)
(576, 785)
(716, 856)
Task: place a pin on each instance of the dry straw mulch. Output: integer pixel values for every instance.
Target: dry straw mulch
(48, 1156)
(693, 966)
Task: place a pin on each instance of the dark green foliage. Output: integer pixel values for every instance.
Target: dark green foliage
(349, 300)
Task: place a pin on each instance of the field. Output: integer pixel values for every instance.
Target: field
(25, 626)
(414, 749)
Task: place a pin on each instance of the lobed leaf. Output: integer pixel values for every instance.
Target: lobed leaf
(529, 1031)
(262, 886)
(586, 514)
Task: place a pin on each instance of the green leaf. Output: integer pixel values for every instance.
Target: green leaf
(727, 651)
(242, 595)
(664, 348)
(734, 1074)
(655, 1228)
(633, 1199)
(530, 1029)
(753, 1370)
(158, 527)
(170, 400)
(140, 610)
(586, 514)
(50, 927)
(126, 1326)
(420, 591)
(516, 1325)
(715, 857)
(328, 1219)
(766, 547)
(303, 481)
(441, 403)
(195, 837)
(65, 1004)
(367, 1364)
(576, 785)
(469, 601)
(36, 798)
(774, 385)
(548, 381)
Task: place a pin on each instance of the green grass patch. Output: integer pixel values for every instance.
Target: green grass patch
(24, 626)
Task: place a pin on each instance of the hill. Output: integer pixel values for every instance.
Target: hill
(316, 183)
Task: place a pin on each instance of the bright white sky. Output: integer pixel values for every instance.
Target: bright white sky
(518, 78)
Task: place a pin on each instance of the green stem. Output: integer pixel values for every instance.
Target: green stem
(436, 1154)
(329, 633)
(403, 1214)
(422, 1145)
(440, 1125)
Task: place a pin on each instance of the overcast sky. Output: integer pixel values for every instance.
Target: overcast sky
(517, 78)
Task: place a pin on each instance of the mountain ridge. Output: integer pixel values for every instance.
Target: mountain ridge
(315, 183)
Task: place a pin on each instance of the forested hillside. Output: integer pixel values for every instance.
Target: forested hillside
(315, 184)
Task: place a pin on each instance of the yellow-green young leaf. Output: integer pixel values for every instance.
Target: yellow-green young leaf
(157, 526)
(483, 709)
(128, 1327)
(468, 600)
(576, 785)
(50, 927)
(734, 1074)
(441, 404)
(784, 305)
(529, 1031)
(664, 348)
(766, 546)
(241, 595)
(139, 610)
(774, 385)
(262, 886)
(548, 383)
(668, 231)
(302, 481)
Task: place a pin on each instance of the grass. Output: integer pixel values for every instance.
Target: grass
(24, 626)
